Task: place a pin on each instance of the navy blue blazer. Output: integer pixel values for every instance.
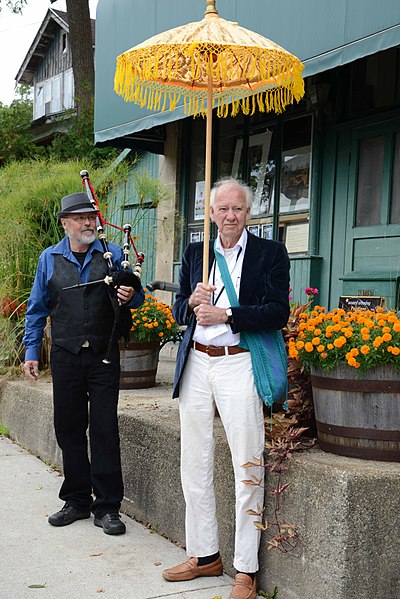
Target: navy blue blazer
(263, 295)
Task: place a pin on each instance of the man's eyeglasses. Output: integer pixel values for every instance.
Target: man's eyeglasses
(82, 219)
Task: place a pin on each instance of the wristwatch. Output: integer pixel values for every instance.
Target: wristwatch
(229, 314)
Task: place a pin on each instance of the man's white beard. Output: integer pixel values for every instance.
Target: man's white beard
(84, 238)
(88, 238)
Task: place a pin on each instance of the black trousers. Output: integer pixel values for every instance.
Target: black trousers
(85, 393)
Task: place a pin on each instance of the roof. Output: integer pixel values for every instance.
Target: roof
(54, 19)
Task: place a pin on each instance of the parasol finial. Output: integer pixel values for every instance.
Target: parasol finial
(211, 8)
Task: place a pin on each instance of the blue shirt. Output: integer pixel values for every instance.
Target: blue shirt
(39, 300)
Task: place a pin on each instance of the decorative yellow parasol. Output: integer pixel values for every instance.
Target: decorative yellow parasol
(209, 63)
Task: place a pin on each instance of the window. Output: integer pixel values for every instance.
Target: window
(376, 172)
(39, 102)
(248, 149)
(63, 43)
(395, 200)
(374, 82)
(68, 97)
(369, 188)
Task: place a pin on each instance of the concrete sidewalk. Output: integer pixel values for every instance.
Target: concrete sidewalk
(78, 561)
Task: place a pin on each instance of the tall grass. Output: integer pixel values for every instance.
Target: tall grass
(30, 194)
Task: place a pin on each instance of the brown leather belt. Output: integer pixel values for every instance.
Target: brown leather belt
(214, 352)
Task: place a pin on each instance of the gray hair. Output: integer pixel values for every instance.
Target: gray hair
(245, 190)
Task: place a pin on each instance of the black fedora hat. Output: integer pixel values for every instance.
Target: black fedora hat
(74, 203)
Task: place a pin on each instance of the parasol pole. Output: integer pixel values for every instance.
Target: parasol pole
(208, 175)
(211, 11)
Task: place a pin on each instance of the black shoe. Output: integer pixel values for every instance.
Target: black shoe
(67, 515)
(111, 524)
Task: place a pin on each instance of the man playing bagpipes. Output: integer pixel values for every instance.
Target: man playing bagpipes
(84, 358)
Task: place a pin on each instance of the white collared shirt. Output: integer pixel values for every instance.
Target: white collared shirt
(234, 259)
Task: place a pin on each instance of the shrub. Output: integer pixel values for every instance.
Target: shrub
(361, 339)
(153, 321)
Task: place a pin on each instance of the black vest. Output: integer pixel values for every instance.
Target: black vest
(81, 314)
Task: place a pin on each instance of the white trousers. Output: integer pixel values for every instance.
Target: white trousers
(226, 382)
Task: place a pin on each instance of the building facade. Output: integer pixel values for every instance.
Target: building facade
(48, 68)
(326, 172)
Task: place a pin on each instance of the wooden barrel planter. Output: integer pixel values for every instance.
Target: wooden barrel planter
(139, 361)
(358, 417)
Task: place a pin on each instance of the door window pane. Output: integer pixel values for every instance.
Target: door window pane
(369, 188)
(395, 207)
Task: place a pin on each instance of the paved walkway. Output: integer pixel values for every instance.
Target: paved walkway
(78, 561)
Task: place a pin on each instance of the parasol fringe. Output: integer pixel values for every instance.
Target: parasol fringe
(137, 73)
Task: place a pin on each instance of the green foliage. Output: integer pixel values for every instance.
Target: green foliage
(78, 142)
(4, 430)
(15, 136)
(30, 192)
(153, 321)
(15, 6)
(266, 595)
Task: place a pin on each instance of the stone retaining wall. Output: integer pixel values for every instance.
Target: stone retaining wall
(347, 510)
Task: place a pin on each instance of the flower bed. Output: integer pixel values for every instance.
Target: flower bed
(361, 339)
(153, 321)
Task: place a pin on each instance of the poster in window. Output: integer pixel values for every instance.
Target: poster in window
(260, 170)
(296, 238)
(295, 180)
(255, 229)
(266, 231)
(195, 236)
(199, 200)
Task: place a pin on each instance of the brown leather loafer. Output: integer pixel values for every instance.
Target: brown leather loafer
(244, 587)
(190, 570)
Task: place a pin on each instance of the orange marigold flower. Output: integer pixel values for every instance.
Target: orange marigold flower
(309, 347)
(315, 341)
(396, 327)
(320, 348)
(324, 355)
(300, 344)
(365, 350)
(340, 341)
(330, 346)
(396, 351)
(387, 337)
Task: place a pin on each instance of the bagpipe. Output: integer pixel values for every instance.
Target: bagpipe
(115, 278)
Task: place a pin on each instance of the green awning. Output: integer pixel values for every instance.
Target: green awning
(324, 34)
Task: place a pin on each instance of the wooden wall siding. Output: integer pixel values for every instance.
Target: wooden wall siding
(377, 254)
(55, 61)
(144, 229)
(304, 272)
(124, 207)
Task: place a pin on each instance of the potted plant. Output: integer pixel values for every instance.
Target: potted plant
(152, 327)
(355, 375)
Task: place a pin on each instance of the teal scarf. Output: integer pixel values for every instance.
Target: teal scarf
(267, 349)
